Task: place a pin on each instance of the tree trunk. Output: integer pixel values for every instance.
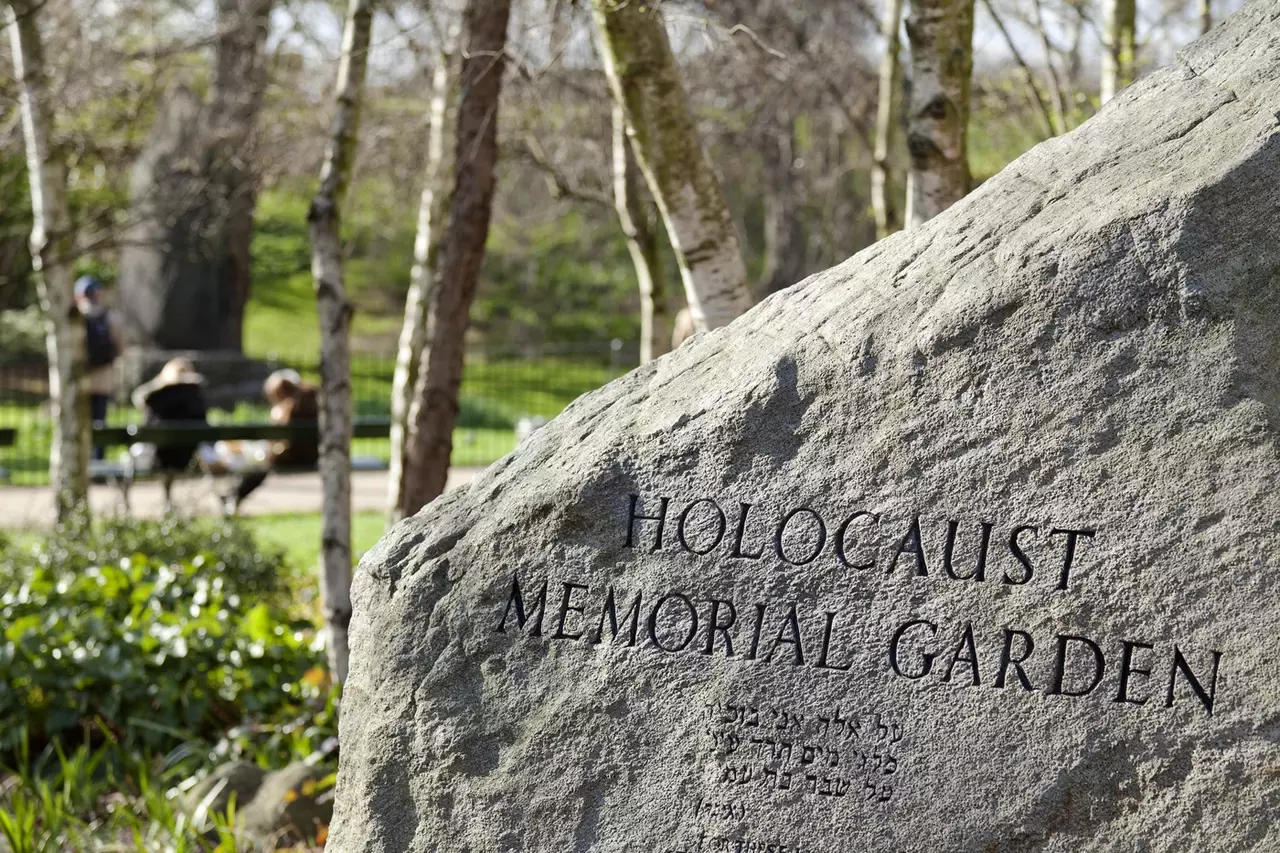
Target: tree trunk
(642, 244)
(645, 81)
(413, 333)
(239, 82)
(52, 245)
(324, 219)
(1119, 25)
(1206, 16)
(784, 232)
(941, 34)
(461, 253)
(884, 189)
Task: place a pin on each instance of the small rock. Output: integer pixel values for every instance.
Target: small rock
(213, 793)
(289, 808)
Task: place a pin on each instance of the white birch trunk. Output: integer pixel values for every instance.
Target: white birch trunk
(941, 34)
(884, 201)
(52, 246)
(1119, 25)
(645, 80)
(655, 335)
(413, 333)
(324, 220)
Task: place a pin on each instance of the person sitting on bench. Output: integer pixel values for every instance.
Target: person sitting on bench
(173, 395)
(292, 402)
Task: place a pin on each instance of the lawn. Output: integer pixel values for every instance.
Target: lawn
(298, 535)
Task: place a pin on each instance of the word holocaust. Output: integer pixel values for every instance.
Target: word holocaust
(1129, 672)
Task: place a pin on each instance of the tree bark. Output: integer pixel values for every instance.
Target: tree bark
(1119, 25)
(239, 82)
(1206, 16)
(941, 34)
(324, 220)
(884, 189)
(784, 233)
(52, 246)
(413, 333)
(461, 253)
(642, 245)
(645, 80)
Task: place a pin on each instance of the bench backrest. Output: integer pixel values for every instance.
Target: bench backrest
(198, 433)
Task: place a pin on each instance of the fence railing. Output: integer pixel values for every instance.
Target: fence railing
(503, 391)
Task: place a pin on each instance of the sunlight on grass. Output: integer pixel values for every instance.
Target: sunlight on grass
(299, 534)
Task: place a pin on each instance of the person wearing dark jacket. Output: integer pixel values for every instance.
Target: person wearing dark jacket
(293, 402)
(103, 342)
(175, 395)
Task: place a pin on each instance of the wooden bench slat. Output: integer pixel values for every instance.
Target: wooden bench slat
(197, 433)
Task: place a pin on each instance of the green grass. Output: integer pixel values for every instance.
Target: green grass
(299, 534)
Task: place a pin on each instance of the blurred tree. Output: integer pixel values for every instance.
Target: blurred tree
(52, 254)
(639, 229)
(646, 83)
(941, 34)
(186, 264)
(461, 253)
(324, 219)
(413, 332)
(1119, 46)
(885, 184)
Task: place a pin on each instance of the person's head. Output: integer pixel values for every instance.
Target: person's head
(88, 293)
(281, 385)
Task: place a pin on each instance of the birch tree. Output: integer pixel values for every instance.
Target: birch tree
(645, 81)
(642, 245)
(414, 331)
(324, 220)
(941, 34)
(1119, 25)
(884, 198)
(52, 245)
(435, 405)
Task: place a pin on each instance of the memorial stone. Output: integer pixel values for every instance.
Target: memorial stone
(970, 543)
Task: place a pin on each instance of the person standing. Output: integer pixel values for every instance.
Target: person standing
(102, 347)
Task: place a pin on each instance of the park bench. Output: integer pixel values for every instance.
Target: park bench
(124, 474)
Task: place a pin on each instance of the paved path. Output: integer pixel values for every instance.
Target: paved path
(26, 507)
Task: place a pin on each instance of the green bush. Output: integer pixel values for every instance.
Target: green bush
(22, 332)
(151, 632)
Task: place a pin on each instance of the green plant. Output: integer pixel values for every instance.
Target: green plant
(149, 631)
(22, 332)
(113, 796)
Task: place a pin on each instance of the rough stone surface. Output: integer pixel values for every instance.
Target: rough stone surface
(1088, 342)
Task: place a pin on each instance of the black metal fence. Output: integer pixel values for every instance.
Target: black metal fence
(504, 391)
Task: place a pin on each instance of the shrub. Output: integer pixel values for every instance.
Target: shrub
(22, 332)
(150, 631)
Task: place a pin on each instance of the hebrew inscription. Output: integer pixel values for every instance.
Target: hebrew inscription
(836, 753)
